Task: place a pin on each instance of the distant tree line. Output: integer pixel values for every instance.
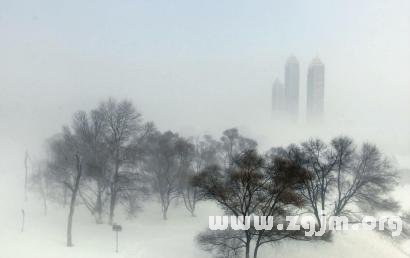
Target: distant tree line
(109, 158)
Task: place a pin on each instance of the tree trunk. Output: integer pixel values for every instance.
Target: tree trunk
(247, 245)
(258, 244)
(164, 204)
(73, 199)
(255, 252)
(113, 198)
(99, 208)
(189, 202)
(65, 196)
(247, 250)
(316, 212)
(164, 211)
(98, 204)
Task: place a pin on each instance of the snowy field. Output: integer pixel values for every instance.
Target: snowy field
(148, 236)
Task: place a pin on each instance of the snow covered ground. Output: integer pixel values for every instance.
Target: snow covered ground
(148, 236)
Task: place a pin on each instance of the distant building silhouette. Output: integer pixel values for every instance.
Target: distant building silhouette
(278, 99)
(292, 88)
(315, 91)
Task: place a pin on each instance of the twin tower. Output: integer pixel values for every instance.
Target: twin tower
(286, 97)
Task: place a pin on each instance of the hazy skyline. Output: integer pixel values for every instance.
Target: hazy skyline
(199, 67)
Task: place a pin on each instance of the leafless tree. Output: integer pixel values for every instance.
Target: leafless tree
(205, 152)
(252, 186)
(166, 156)
(91, 129)
(185, 154)
(222, 243)
(122, 122)
(41, 182)
(366, 182)
(344, 177)
(66, 158)
(233, 143)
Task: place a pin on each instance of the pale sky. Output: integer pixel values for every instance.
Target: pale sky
(203, 66)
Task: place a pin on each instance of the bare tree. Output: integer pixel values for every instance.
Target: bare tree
(164, 161)
(91, 131)
(366, 181)
(134, 188)
(344, 177)
(222, 243)
(185, 154)
(66, 151)
(42, 184)
(321, 162)
(104, 140)
(135, 182)
(251, 186)
(74, 190)
(232, 144)
(205, 153)
(122, 122)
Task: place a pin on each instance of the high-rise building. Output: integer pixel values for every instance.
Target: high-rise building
(315, 91)
(278, 98)
(292, 88)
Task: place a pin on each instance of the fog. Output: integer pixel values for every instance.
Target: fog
(195, 67)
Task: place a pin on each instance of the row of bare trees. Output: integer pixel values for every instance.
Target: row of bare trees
(109, 158)
(339, 177)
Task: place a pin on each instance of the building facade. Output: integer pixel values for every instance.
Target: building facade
(315, 91)
(278, 98)
(292, 88)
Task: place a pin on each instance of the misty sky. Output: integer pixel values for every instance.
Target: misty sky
(203, 66)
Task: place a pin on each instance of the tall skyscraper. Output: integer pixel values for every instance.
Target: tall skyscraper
(292, 88)
(315, 91)
(278, 99)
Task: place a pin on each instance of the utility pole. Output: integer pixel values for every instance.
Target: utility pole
(26, 175)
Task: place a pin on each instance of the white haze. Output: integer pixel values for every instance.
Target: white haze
(193, 69)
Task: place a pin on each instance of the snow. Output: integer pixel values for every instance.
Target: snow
(148, 236)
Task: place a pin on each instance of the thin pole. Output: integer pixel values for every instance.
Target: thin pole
(22, 223)
(116, 247)
(26, 175)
